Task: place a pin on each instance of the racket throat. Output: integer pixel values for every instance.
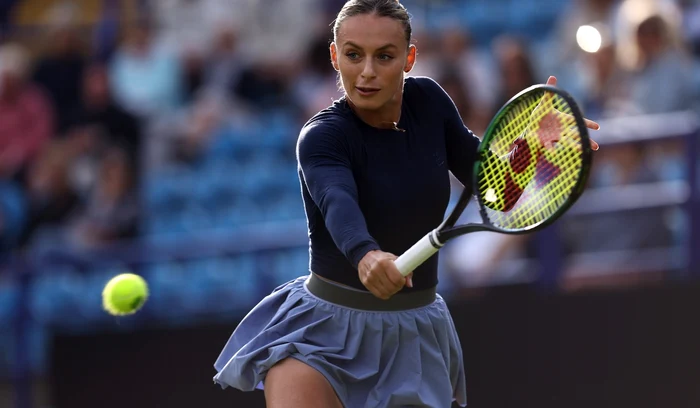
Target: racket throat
(435, 240)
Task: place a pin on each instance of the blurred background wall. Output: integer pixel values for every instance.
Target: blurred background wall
(157, 136)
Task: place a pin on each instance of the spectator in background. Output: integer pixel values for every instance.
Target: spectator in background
(98, 108)
(429, 61)
(458, 54)
(662, 77)
(280, 38)
(605, 91)
(476, 117)
(26, 114)
(515, 66)
(193, 29)
(581, 12)
(263, 86)
(59, 70)
(193, 61)
(224, 64)
(449, 55)
(146, 78)
(317, 87)
(198, 132)
(112, 209)
(61, 217)
(187, 137)
(50, 197)
(194, 24)
(563, 54)
(223, 67)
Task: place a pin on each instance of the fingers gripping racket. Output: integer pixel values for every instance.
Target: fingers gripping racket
(531, 166)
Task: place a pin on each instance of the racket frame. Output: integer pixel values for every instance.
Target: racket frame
(436, 239)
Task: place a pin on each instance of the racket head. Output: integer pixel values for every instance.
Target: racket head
(533, 161)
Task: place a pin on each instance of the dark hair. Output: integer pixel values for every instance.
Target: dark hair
(382, 8)
(654, 25)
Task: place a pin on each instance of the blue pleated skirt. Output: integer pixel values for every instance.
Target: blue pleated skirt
(372, 359)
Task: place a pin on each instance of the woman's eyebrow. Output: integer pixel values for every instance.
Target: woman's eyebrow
(352, 44)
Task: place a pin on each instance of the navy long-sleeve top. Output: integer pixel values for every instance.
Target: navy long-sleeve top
(366, 188)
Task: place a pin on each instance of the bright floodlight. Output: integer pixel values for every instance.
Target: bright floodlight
(589, 38)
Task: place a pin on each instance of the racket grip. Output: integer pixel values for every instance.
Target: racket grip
(418, 253)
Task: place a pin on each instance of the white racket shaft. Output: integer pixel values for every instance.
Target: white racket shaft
(418, 253)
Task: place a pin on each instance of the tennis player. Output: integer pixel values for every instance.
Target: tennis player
(374, 171)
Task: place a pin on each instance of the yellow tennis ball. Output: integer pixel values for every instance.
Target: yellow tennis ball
(124, 294)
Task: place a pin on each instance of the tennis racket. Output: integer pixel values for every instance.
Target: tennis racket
(531, 166)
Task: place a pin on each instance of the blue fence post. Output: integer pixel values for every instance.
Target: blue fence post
(22, 371)
(693, 204)
(550, 254)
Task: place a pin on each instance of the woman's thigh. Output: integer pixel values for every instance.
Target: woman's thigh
(293, 384)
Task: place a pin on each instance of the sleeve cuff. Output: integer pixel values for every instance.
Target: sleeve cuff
(360, 251)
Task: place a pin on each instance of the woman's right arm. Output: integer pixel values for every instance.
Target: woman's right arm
(324, 158)
(325, 164)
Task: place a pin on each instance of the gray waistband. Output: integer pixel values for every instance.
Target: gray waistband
(356, 299)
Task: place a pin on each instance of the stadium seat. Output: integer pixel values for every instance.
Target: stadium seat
(9, 295)
(230, 284)
(290, 264)
(171, 300)
(56, 297)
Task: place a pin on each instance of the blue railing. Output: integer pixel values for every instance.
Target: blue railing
(267, 238)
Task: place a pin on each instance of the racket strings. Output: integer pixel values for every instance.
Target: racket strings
(553, 193)
(545, 198)
(511, 126)
(569, 165)
(497, 172)
(535, 162)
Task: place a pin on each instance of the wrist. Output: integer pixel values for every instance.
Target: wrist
(368, 259)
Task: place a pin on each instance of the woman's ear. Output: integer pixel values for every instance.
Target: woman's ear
(334, 56)
(410, 59)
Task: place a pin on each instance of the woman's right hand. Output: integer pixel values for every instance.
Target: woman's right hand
(380, 276)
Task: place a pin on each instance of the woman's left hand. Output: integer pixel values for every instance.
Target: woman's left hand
(552, 81)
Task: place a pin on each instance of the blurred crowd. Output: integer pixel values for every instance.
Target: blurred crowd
(90, 106)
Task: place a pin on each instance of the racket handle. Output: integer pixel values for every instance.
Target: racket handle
(418, 253)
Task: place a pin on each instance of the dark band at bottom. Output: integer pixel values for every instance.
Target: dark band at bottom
(357, 299)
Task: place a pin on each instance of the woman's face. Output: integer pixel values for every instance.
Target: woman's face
(372, 54)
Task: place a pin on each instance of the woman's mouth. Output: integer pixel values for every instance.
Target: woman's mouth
(366, 91)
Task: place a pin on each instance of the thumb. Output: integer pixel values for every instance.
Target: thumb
(409, 280)
(548, 96)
